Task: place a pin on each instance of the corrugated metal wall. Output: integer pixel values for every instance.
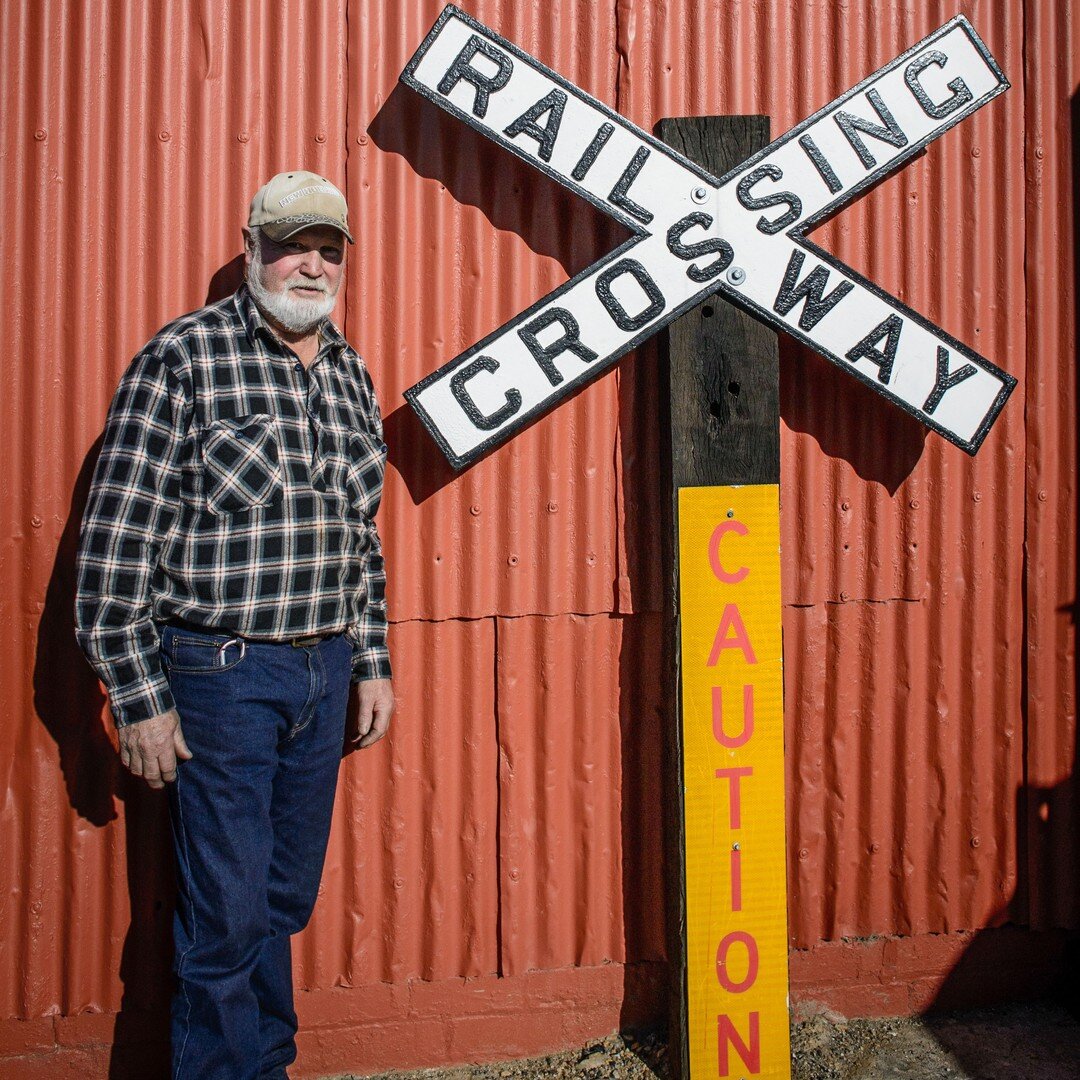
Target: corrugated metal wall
(512, 821)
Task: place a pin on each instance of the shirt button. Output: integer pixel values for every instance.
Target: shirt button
(299, 367)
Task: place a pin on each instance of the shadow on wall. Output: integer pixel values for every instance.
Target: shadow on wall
(1044, 962)
(69, 702)
(514, 197)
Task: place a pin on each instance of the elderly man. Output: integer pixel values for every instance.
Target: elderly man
(231, 585)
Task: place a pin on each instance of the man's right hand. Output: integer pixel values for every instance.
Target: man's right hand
(151, 748)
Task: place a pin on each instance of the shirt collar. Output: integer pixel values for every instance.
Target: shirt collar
(255, 324)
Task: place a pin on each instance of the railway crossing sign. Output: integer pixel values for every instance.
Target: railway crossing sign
(693, 235)
(742, 236)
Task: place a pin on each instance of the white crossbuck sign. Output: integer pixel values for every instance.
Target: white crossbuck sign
(742, 236)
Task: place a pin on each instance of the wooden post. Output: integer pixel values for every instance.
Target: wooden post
(725, 430)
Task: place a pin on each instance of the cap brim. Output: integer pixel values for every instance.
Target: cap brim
(280, 231)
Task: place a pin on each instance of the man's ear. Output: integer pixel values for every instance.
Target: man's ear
(249, 239)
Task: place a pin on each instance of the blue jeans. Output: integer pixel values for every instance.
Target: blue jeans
(250, 820)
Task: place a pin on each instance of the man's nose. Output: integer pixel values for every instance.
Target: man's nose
(312, 264)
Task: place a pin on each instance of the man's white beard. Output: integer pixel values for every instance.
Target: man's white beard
(288, 311)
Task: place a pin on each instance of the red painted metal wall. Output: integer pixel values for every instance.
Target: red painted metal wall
(499, 854)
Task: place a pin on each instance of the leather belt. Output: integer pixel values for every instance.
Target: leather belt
(306, 642)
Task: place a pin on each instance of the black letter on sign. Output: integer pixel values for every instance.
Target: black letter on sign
(777, 198)
(592, 151)
(617, 312)
(812, 287)
(569, 342)
(945, 381)
(485, 85)
(868, 347)
(821, 163)
(961, 95)
(699, 247)
(618, 193)
(464, 398)
(890, 133)
(526, 123)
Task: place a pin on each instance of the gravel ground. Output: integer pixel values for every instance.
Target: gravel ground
(1020, 1042)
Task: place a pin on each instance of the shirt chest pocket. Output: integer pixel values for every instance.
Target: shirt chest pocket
(365, 462)
(240, 463)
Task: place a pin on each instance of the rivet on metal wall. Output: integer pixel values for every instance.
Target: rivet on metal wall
(41, 134)
(474, 510)
(320, 136)
(511, 560)
(845, 506)
(977, 496)
(1042, 496)
(590, 559)
(976, 152)
(553, 507)
(36, 522)
(243, 137)
(845, 596)
(804, 853)
(164, 135)
(361, 140)
(975, 841)
(914, 504)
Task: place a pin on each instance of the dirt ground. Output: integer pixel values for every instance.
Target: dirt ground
(1019, 1042)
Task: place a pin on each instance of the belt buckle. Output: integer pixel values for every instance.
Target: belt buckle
(307, 642)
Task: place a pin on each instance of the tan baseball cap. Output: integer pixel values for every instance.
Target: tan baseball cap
(293, 201)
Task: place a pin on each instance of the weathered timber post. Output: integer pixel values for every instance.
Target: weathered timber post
(725, 432)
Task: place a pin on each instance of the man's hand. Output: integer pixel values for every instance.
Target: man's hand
(150, 748)
(376, 698)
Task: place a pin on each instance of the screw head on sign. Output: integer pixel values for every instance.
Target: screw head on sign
(699, 194)
(731, 513)
(736, 275)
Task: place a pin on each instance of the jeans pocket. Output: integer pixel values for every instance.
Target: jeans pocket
(193, 653)
(241, 463)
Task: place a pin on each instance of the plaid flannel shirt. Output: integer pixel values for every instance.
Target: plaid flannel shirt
(235, 490)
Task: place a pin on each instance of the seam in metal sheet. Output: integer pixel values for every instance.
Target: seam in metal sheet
(500, 966)
(557, 615)
(621, 52)
(348, 154)
(1023, 837)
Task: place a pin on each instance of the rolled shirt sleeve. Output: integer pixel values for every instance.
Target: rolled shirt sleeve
(132, 505)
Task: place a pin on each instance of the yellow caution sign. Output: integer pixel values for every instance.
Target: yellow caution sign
(733, 776)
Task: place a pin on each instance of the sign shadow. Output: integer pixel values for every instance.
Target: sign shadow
(510, 193)
(507, 191)
(1033, 956)
(847, 420)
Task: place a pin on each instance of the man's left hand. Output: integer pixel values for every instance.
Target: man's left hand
(376, 699)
